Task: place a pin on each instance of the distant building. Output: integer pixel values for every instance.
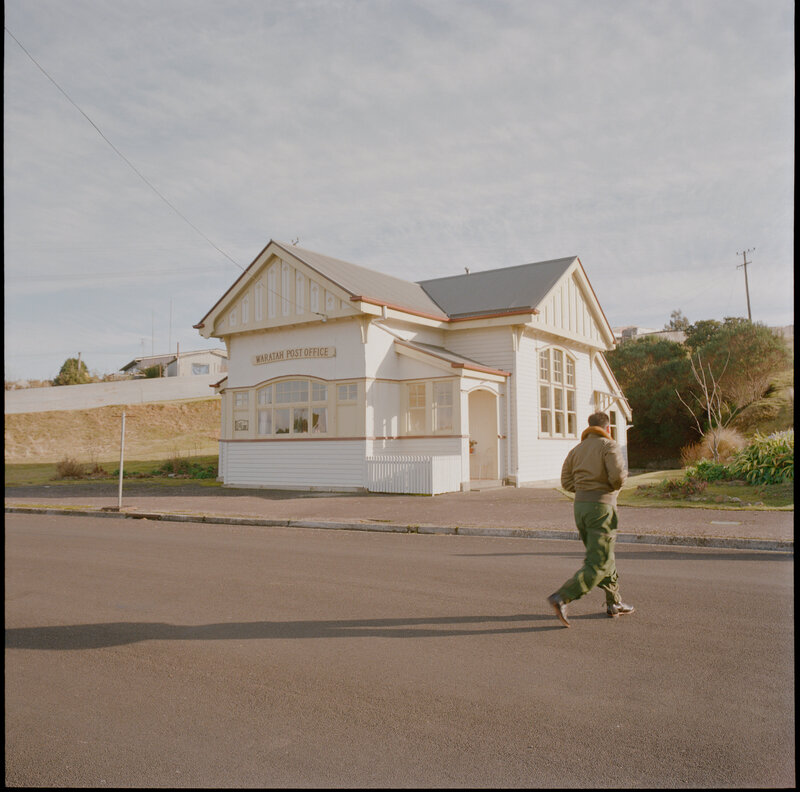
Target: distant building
(181, 364)
(345, 378)
(632, 332)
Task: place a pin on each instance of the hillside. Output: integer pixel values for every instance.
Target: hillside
(152, 431)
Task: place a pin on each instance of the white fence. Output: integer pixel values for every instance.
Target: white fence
(100, 394)
(414, 475)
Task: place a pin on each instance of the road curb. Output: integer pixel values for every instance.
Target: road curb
(733, 543)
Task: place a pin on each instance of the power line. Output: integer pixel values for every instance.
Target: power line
(121, 155)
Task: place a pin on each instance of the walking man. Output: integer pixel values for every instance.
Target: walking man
(595, 471)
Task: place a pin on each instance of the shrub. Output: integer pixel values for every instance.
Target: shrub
(729, 443)
(69, 467)
(674, 488)
(766, 460)
(185, 468)
(708, 470)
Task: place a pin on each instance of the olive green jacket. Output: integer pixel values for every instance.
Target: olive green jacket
(595, 469)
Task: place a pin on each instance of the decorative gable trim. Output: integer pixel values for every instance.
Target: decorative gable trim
(276, 290)
(571, 309)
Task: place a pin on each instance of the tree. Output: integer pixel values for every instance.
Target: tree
(73, 372)
(755, 354)
(708, 401)
(649, 370)
(698, 333)
(677, 321)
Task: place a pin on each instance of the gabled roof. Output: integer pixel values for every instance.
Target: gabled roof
(501, 293)
(496, 291)
(368, 285)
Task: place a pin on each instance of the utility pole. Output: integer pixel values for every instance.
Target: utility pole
(746, 287)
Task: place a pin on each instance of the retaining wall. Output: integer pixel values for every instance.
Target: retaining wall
(100, 394)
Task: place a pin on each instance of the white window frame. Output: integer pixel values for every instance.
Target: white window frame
(443, 405)
(416, 391)
(558, 396)
(314, 404)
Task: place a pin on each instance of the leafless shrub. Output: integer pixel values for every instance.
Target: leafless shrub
(69, 467)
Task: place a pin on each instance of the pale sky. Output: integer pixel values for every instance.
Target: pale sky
(654, 139)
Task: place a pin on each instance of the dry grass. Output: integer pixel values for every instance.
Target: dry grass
(730, 441)
(152, 431)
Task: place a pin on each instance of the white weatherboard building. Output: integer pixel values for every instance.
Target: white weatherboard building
(343, 378)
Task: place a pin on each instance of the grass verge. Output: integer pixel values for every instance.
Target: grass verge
(643, 490)
(168, 472)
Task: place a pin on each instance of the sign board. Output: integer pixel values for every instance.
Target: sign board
(294, 353)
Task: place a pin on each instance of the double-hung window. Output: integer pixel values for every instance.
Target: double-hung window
(416, 408)
(557, 396)
(443, 406)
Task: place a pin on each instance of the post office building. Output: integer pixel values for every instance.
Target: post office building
(344, 378)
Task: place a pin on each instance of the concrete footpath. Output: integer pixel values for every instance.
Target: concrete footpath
(525, 512)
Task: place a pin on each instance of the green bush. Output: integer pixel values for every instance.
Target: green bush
(766, 460)
(708, 470)
(185, 468)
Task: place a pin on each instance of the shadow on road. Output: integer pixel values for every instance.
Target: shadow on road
(658, 553)
(96, 636)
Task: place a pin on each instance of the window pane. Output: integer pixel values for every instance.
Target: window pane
(240, 399)
(281, 420)
(416, 395)
(347, 392)
(300, 420)
(558, 398)
(265, 395)
(559, 423)
(558, 357)
(443, 393)
(546, 421)
(291, 391)
(319, 392)
(571, 401)
(570, 372)
(319, 420)
(444, 418)
(544, 391)
(265, 422)
(544, 365)
(200, 368)
(571, 424)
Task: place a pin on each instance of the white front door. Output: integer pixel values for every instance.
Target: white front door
(483, 435)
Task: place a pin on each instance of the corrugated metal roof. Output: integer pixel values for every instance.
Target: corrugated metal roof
(359, 281)
(459, 361)
(498, 290)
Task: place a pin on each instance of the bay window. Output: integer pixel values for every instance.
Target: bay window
(293, 407)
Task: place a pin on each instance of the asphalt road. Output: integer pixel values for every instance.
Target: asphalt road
(183, 655)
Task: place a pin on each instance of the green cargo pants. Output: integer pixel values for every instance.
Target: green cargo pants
(597, 526)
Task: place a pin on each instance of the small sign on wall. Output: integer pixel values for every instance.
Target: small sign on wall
(240, 426)
(294, 353)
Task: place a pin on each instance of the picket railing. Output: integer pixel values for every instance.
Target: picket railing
(414, 475)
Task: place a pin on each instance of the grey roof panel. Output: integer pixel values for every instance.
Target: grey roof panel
(496, 291)
(359, 281)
